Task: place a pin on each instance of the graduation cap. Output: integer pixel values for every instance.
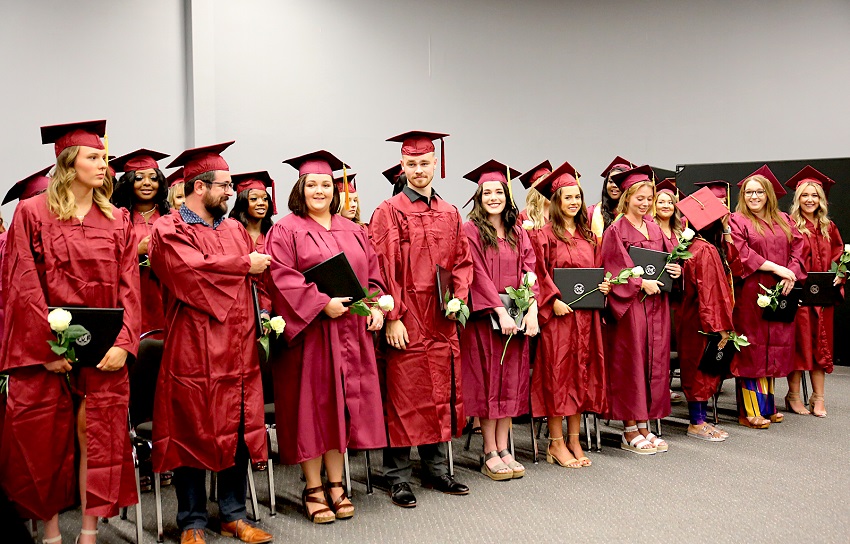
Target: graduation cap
(255, 180)
(199, 160)
(340, 183)
(626, 179)
(30, 186)
(810, 175)
(393, 173)
(563, 176)
(140, 159)
(87, 133)
(316, 162)
(618, 162)
(175, 177)
(702, 208)
(419, 142)
(531, 176)
(667, 185)
(719, 187)
(492, 170)
(771, 177)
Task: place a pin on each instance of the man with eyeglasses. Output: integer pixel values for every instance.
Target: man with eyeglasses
(208, 405)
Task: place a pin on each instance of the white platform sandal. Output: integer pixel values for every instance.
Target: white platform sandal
(637, 444)
(660, 445)
(85, 532)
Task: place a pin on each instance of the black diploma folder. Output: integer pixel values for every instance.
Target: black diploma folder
(575, 282)
(335, 278)
(444, 285)
(104, 326)
(818, 290)
(513, 311)
(653, 263)
(787, 308)
(715, 361)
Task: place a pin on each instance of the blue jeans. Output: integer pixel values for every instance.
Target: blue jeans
(190, 485)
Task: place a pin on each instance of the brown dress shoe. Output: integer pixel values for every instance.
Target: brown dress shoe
(245, 532)
(192, 536)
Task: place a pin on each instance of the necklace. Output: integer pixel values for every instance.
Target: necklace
(149, 212)
(637, 227)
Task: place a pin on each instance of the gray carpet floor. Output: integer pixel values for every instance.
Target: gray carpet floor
(790, 483)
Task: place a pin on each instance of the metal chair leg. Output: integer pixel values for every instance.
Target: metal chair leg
(138, 508)
(33, 529)
(468, 439)
(716, 421)
(158, 499)
(805, 388)
(346, 468)
(253, 492)
(598, 434)
(451, 461)
(511, 438)
(658, 426)
(272, 498)
(584, 418)
(369, 489)
(213, 487)
(533, 439)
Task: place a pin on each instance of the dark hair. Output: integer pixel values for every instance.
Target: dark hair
(206, 177)
(559, 219)
(713, 234)
(486, 230)
(400, 184)
(240, 211)
(297, 202)
(609, 205)
(124, 195)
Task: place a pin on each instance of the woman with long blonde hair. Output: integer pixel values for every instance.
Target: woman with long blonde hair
(770, 252)
(814, 335)
(536, 205)
(68, 248)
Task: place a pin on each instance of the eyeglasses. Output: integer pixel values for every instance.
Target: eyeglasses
(221, 184)
(759, 192)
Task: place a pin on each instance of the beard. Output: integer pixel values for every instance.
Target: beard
(216, 207)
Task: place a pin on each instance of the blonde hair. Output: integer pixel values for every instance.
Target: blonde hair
(821, 214)
(623, 204)
(535, 206)
(771, 207)
(172, 193)
(60, 198)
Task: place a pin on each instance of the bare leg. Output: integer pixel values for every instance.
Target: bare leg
(557, 446)
(503, 430)
(313, 475)
(89, 522)
(793, 401)
(334, 462)
(574, 444)
(490, 434)
(51, 527)
(818, 389)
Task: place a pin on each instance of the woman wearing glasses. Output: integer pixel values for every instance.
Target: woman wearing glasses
(770, 252)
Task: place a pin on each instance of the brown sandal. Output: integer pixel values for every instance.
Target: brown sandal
(307, 496)
(338, 502)
(756, 423)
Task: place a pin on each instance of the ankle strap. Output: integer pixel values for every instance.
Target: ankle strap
(88, 532)
(331, 485)
(630, 429)
(643, 426)
(555, 438)
(312, 490)
(52, 540)
(504, 453)
(573, 434)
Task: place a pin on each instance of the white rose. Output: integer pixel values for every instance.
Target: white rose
(59, 319)
(453, 306)
(763, 301)
(846, 248)
(742, 337)
(528, 224)
(386, 303)
(532, 278)
(277, 324)
(637, 271)
(687, 234)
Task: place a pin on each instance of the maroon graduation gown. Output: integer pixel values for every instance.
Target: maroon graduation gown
(706, 306)
(327, 394)
(814, 324)
(3, 236)
(423, 383)
(264, 280)
(210, 372)
(569, 371)
(637, 340)
(64, 263)
(153, 315)
(492, 390)
(771, 349)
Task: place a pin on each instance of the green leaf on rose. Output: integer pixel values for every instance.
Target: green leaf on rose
(264, 345)
(74, 331)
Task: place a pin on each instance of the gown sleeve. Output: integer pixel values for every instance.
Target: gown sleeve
(384, 235)
(483, 294)
(297, 301)
(749, 260)
(529, 259)
(462, 269)
(207, 283)
(129, 291)
(615, 257)
(712, 288)
(548, 291)
(798, 245)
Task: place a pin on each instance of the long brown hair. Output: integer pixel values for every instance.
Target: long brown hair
(298, 202)
(675, 219)
(821, 215)
(559, 219)
(771, 207)
(60, 198)
(480, 218)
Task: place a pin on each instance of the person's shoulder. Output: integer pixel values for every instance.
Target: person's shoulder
(32, 206)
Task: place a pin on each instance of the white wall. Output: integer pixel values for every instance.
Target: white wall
(73, 61)
(662, 82)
